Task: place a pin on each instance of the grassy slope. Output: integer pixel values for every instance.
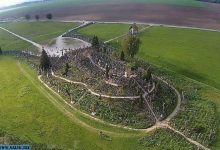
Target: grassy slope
(39, 31)
(26, 111)
(10, 42)
(193, 53)
(214, 95)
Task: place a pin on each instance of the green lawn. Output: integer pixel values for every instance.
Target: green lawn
(39, 31)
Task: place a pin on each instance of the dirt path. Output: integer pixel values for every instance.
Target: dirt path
(126, 34)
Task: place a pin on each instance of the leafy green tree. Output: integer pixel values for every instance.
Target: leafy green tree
(44, 62)
(131, 45)
(0, 51)
(122, 57)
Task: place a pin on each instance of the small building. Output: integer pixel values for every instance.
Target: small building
(133, 30)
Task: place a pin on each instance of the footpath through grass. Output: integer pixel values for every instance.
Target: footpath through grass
(106, 31)
(39, 31)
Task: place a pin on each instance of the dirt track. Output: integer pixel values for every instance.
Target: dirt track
(207, 17)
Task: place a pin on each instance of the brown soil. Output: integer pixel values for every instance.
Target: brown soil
(207, 17)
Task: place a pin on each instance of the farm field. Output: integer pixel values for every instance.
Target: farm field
(192, 12)
(39, 31)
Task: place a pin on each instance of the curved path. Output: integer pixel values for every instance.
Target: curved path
(159, 124)
(94, 93)
(176, 110)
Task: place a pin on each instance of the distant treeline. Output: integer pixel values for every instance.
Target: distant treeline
(210, 1)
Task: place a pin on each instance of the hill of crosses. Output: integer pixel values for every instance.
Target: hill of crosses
(97, 81)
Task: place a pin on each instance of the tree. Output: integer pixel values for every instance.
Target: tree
(49, 16)
(27, 17)
(122, 58)
(95, 42)
(107, 71)
(44, 62)
(131, 45)
(0, 51)
(37, 17)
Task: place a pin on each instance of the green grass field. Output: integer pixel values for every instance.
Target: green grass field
(39, 31)
(193, 53)
(106, 31)
(10, 42)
